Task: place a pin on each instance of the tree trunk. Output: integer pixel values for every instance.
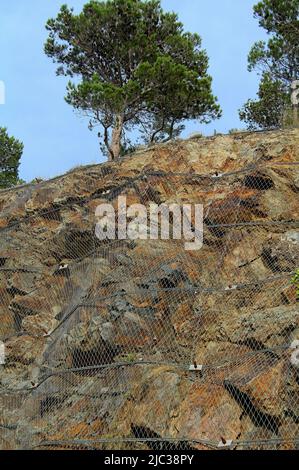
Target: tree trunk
(115, 146)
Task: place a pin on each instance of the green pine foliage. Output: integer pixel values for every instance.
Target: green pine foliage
(11, 151)
(278, 62)
(134, 68)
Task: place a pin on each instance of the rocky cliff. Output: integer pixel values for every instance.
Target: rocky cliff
(100, 336)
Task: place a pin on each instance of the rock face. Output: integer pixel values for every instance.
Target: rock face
(100, 335)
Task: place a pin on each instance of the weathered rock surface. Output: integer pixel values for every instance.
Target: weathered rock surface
(100, 335)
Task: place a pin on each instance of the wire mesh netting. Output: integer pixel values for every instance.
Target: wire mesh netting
(140, 344)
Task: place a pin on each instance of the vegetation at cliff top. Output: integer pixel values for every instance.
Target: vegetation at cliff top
(137, 69)
(11, 151)
(278, 62)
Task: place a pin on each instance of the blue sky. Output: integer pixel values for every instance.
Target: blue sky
(55, 138)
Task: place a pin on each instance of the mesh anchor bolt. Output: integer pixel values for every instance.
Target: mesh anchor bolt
(225, 443)
(47, 335)
(195, 367)
(63, 266)
(231, 287)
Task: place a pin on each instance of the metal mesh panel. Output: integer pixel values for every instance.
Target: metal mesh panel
(140, 344)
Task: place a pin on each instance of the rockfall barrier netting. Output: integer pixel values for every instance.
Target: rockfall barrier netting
(141, 344)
